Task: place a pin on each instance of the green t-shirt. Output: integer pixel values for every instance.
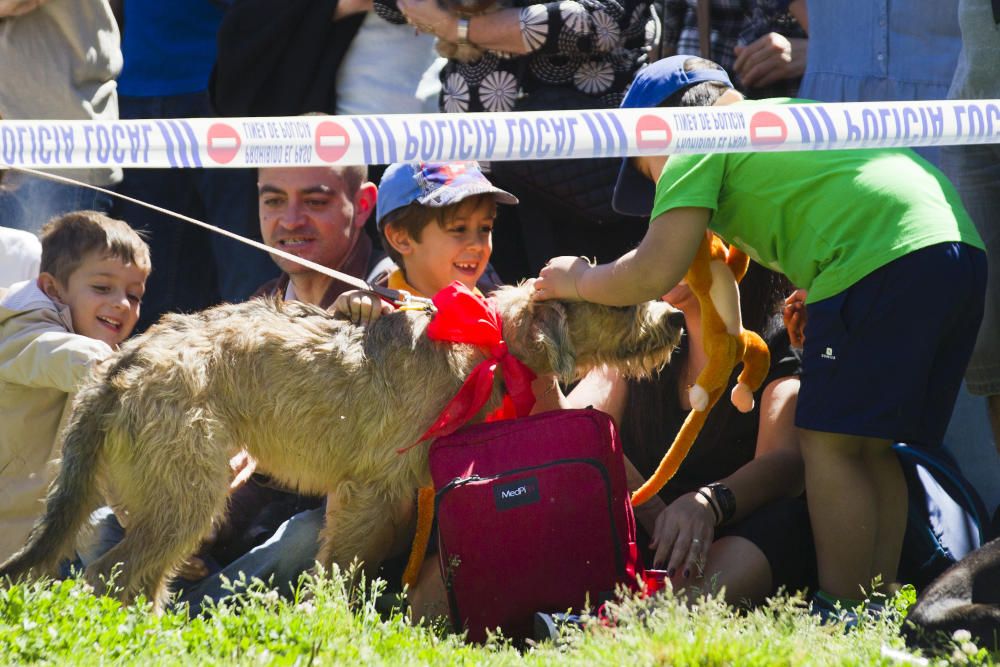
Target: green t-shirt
(825, 219)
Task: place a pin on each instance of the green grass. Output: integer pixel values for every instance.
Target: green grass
(64, 623)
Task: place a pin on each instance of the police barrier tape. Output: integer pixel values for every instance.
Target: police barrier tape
(347, 140)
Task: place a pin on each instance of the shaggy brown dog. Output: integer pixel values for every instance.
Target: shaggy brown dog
(322, 405)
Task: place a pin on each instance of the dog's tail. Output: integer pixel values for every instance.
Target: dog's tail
(74, 493)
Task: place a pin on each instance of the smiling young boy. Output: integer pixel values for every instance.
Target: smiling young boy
(462, 205)
(84, 303)
(436, 222)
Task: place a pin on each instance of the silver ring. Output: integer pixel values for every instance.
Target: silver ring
(696, 541)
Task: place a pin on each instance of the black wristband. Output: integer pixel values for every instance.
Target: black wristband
(727, 501)
(707, 495)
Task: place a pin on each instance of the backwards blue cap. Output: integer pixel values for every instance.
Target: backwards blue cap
(634, 192)
(434, 184)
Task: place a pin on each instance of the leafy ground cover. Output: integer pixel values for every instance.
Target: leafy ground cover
(64, 623)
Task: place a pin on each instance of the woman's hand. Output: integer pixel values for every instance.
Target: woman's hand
(770, 58)
(428, 16)
(684, 532)
(360, 307)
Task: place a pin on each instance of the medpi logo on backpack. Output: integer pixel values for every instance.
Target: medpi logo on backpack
(516, 494)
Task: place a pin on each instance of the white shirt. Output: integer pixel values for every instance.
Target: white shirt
(20, 256)
(383, 68)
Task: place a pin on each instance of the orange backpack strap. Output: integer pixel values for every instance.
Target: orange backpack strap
(425, 520)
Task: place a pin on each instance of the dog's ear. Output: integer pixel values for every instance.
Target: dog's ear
(552, 333)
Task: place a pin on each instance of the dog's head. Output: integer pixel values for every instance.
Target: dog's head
(570, 338)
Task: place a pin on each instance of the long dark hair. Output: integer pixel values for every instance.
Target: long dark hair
(652, 409)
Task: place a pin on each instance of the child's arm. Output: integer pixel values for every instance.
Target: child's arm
(361, 307)
(643, 274)
(44, 354)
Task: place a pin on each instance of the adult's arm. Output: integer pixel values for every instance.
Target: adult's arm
(775, 472)
(539, 28)
(763, 56)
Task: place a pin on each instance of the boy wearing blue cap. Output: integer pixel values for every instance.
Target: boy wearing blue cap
(460, 202)
(879, 239)
(436, 223)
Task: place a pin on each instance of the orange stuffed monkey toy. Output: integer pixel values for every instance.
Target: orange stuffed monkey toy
(713, 278)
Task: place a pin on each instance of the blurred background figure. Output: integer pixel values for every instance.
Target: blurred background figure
(169, 50)
(759, 42)
(20, 255)
(60, 59)
(861, 50)
(975, 171)
(536, 56)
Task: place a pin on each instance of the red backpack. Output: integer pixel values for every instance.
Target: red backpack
(533, 515)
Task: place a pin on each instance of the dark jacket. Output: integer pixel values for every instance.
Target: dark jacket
(280, 58)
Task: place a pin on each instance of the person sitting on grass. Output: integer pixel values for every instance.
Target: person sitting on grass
(733, 519)
(877, 237)
(53, 330)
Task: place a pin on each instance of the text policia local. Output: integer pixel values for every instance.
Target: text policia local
(441, 137)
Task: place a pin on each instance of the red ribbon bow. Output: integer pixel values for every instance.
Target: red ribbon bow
(464, 317)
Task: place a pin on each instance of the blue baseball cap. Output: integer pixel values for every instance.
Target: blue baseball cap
(435, 184)
(634, 192)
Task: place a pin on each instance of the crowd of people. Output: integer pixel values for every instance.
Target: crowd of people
(805, 492)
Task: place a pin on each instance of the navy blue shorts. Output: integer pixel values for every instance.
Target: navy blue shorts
(885, 357)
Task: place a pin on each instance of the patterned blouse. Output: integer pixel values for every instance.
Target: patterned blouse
(594, 46)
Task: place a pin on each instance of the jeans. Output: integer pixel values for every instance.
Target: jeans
(975, 171)
(27, 202)
(193, 268)
(279, 561)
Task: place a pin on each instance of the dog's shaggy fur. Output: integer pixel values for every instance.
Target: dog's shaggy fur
(322, 405)
(965, 597)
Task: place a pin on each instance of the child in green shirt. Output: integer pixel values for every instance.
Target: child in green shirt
(895, 275)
